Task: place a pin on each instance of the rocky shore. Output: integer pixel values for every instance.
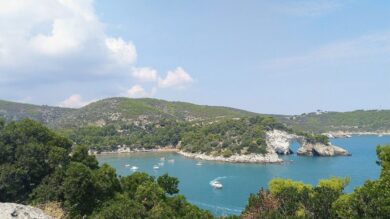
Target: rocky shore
(124, 150)
(278, 143)
(345, 134)
(321, 150)
(18, 211)
(236, 158)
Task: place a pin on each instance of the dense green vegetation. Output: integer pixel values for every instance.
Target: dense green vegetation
(241, 136)
(224, 137)
(117, 111)
(356, 121)
(290, 199)
(36, 167)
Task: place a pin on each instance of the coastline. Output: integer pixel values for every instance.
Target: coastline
(128, 151)
(348, 134)
(250, 158)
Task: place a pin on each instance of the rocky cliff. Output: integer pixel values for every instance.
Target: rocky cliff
(18, 211)
(280, 142)
(308, 149)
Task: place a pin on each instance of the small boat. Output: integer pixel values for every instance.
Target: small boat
(127, 165)
(199, 164)
(216, 184)
(162, 158)
(161, 164)
(156, 167)
(380, 135)
(134, 168)
(171, 161)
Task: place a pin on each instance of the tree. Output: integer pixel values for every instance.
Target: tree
(261, 205)
(120, 207)
(79, 190)
(130, 183)
(372, 200)
(12, 183)
(168, 183)
(149, 194)
(80, 154)
(30, 152)
(105, 182)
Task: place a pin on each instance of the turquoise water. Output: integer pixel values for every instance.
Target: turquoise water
(239, 180)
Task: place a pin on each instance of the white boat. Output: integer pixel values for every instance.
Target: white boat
(162, 158)
(127, 165)
(199, 164)
(216, 184)
(161, 164)
(380, 135)
(156, 167)
(134, 168)
(171, 161)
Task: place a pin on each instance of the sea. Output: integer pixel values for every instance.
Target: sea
(240, 180)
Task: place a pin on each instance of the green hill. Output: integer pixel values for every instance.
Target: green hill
(47, 114)
(120, 110)
(117, 111)
(356, 121)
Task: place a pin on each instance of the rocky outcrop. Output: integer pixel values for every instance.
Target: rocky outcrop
(236, 158)
(279, 141)
(308, 149)
(18, 211)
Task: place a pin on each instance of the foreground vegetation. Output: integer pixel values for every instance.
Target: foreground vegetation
(290, 199)
(38, 166)
(35, 168)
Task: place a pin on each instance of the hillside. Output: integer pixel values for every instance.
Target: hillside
(352, 122)
(45, 114)
(120, 110)
(117, 111)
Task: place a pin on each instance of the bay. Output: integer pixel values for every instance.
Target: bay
(239, 180)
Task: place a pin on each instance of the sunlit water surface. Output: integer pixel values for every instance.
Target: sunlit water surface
(239, 180)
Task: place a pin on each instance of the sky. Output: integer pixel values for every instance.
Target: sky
(280, 56)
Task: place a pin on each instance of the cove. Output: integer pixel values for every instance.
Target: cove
(239, 180)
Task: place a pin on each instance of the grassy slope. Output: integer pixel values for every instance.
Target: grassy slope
(122, 110)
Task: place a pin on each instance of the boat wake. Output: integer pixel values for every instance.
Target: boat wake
(217, 179)
(219, 210)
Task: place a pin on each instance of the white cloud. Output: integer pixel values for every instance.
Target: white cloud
(121, 51)
(74, 101)
(137, 91)
(145, 74)
(63, 42)
(177, 78)
(47, 37)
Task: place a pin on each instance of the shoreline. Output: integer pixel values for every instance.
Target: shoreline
(128, 151)
(250, 158)
(348, 134)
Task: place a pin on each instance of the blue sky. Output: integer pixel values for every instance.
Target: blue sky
(277, 56)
